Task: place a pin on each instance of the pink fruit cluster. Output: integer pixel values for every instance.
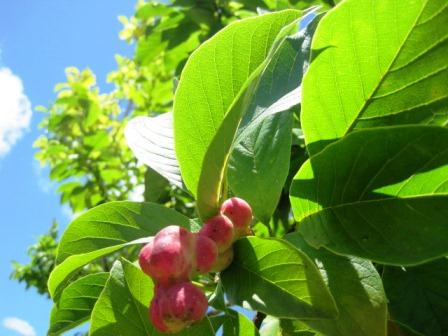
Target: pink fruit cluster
(176, 255)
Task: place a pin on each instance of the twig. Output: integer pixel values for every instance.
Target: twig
(258, 319)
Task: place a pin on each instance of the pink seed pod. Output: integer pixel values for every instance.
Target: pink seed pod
(177, 306)
(155, 314)
(145, 256)
(240, 213)
(220, 230)
(170, 256)
(206, 254)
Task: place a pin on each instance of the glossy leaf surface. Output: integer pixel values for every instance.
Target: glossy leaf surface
(357, 289)
(212, 80)
(272, 276)
(376, 63)
(259, 163)
(379, 194)
(76, 303)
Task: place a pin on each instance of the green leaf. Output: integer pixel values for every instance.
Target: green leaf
(106, 229)
(270, 327)
(172, 36)
(217, 321)
(217, 299)
(212, 186)
(116, 223)
(271, 276)
(379, 194)
(76, 303)
(418, 296)
(152, 9)
(376, 63)
(212, 182)
(93, 112)
(156, 186)
(237, 324)
(122, 308)
(212, 79)
(62, 272)
(259, 163)
(357, 289)
(296, 328)
(151, 141)
(98, 140)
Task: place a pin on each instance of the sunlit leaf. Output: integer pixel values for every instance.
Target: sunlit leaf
(379, 194)
(376, 63)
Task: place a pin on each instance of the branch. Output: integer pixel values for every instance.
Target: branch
(258, 319)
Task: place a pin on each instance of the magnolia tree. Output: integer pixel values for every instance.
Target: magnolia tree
(314, 145)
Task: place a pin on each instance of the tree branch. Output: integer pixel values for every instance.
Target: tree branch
(258, 319)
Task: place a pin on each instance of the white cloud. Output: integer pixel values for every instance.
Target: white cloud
(15, 110)
(22, 327)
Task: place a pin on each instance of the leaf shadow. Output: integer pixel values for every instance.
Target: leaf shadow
(349, 286)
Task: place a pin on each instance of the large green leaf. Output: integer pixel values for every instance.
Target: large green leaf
(358, 291)
(376, 63)
(115, 223)
(212, 181)
(62, 272)
(380, 194)
(106, 229)
(76, 303)
(271, 276)
(259, 163)
(211, 81)
(418, 296)
(122, 308)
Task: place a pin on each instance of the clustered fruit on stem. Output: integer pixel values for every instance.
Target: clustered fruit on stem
(175, 256)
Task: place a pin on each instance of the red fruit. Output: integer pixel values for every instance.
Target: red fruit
(239, 212)
(155, 315)
(170, 256)
(145, 256)
(177, 306)
(223, 261)
(206, 254)
(220, 230)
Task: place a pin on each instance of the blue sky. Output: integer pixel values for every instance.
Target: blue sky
(38, 40)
